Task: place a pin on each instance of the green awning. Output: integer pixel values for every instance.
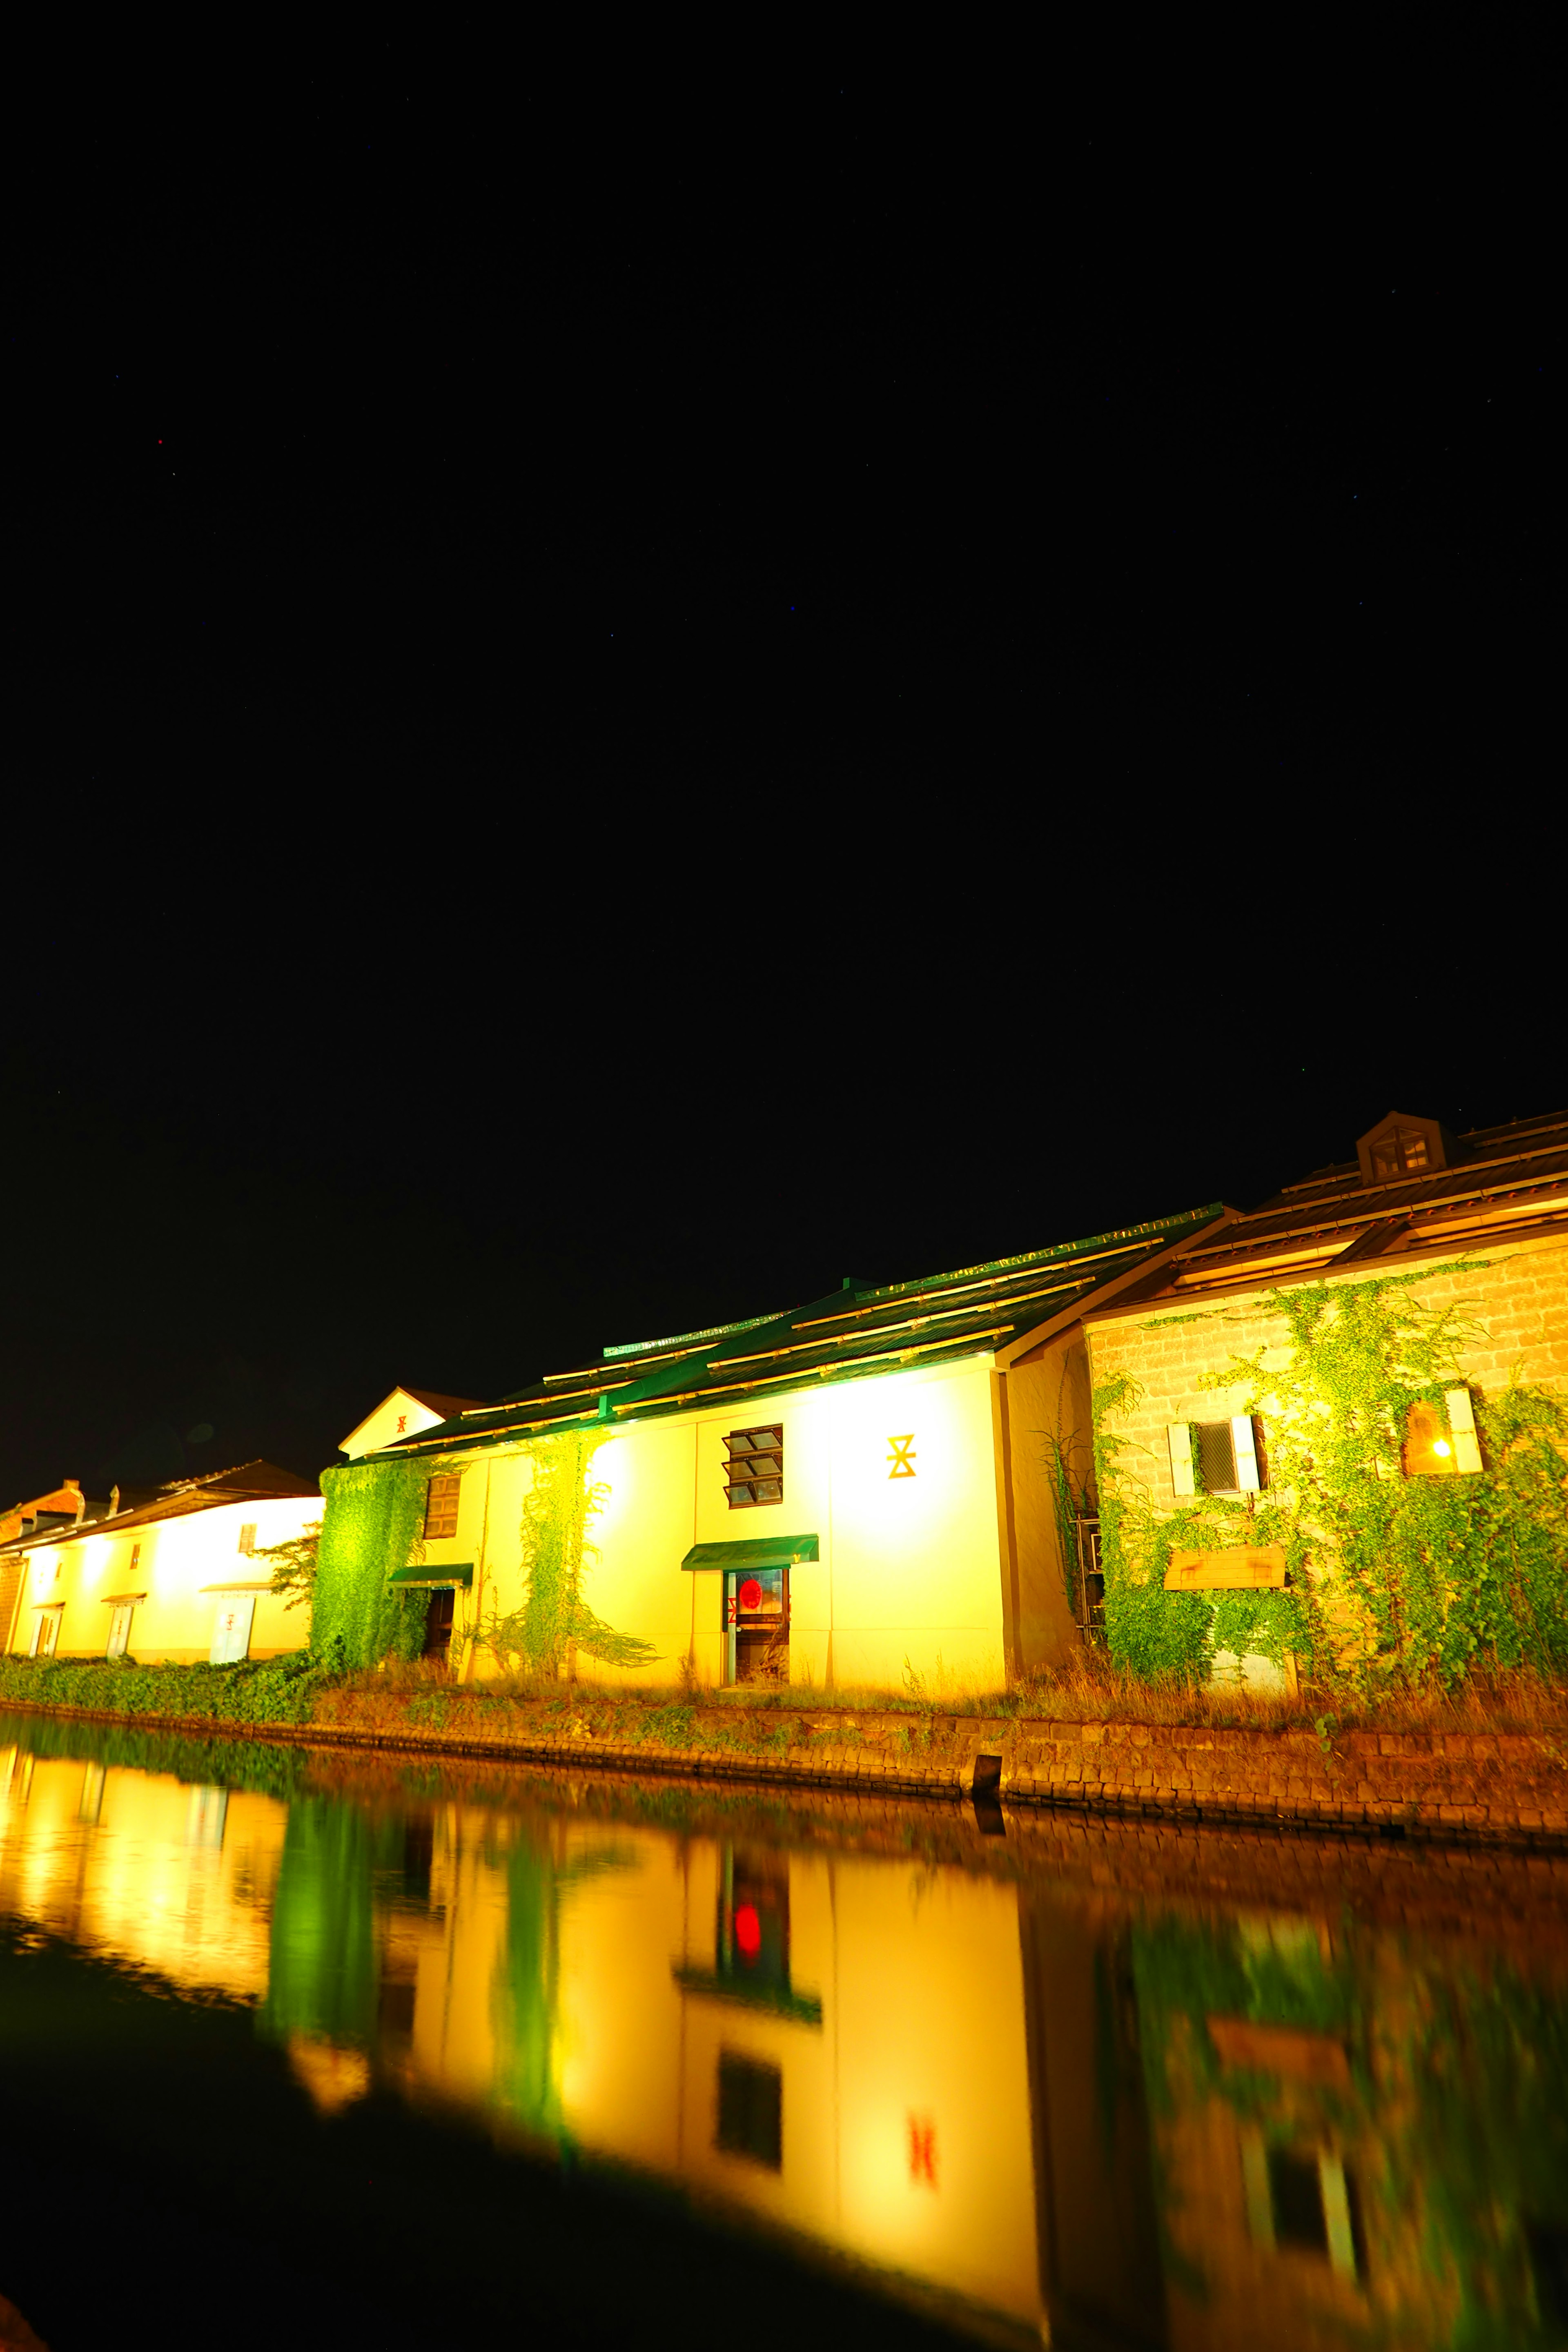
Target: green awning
(803, 2008)
(752, 1551)
(437, 1579)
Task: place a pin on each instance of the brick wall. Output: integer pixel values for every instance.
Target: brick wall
(1518, 1294)
(1512, 1787)
(1498, 1784)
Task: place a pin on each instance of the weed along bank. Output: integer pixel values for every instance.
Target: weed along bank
(1332, 1435)
(846, 1495)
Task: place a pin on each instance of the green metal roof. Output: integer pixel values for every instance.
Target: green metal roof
(753, 1551)
(850, 1334)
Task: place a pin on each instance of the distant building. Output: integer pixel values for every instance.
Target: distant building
(174, 1578)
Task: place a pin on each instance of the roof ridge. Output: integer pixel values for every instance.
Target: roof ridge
(1027, 1261)
(684, 1339)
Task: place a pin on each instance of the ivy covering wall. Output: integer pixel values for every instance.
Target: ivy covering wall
(1387, 1576)
(552, 1620)
(373, 1524)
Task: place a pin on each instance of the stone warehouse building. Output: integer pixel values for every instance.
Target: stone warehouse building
(907, 1480)
(1458, 1242)
(870, 1486)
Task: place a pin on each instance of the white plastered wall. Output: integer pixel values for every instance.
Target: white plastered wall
(909, 1566)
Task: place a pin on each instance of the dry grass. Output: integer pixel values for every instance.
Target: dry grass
(1085, 1687)
(1089, 1686)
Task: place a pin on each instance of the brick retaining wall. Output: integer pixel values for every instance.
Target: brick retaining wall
(1445, 1785)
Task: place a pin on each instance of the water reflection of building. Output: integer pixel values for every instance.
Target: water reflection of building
(1035, 2105)
(142, 1869)
(1359, 2135)
(837, 2045)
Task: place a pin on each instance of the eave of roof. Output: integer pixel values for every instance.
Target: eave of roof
(196, 1494)
(1485, 1203)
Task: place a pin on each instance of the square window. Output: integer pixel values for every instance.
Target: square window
(1216, 1457)
(441, 1506)
(753, 1469)
(1401, 1152)
(1229, 1456)
(247, 1537)
(750, 2110)
(1296, 2193)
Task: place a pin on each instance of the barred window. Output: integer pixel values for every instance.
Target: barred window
(1228, 1456)
(755, 1470)
(441, 1506)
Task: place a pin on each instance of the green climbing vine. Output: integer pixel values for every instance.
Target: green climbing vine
(554, 1623)
(1386, 1576)
(293, 1566)
(373, 1524)
(1062, 1452)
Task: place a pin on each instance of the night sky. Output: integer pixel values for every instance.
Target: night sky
(624, 703)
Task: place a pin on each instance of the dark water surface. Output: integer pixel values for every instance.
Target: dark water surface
(306, 2051)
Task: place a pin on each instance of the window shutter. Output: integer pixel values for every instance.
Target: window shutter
(1181, 1436)
(1216, 1458)
(1462, 1424)
(1241, 1438)
(247, 1537)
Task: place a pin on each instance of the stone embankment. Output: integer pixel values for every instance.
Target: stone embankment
(1447, 1785)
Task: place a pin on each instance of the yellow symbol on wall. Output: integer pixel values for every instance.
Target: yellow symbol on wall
(902, 1460)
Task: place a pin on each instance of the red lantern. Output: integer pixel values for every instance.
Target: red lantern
(748, 1930)
(750, 1593)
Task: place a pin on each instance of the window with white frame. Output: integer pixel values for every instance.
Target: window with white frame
(1441, 1442)
(1216, 1457)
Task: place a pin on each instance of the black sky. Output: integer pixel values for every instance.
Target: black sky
(626, 703)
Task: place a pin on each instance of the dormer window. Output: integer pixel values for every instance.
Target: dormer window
(1399, 1153)
(1401, 1145)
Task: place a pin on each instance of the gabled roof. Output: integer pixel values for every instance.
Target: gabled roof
(445, 1408)
(1501, 1183)
(435, 1401)
(249, 1482)
(861, 1331)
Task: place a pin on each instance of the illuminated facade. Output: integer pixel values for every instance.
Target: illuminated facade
(1464, 1238)
(858, 1491)
(175, 1578)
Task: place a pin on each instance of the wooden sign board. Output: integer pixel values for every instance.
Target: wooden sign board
(1287, 2050)
(1225, 1571)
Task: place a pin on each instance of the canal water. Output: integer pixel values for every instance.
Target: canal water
(296, 2050)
